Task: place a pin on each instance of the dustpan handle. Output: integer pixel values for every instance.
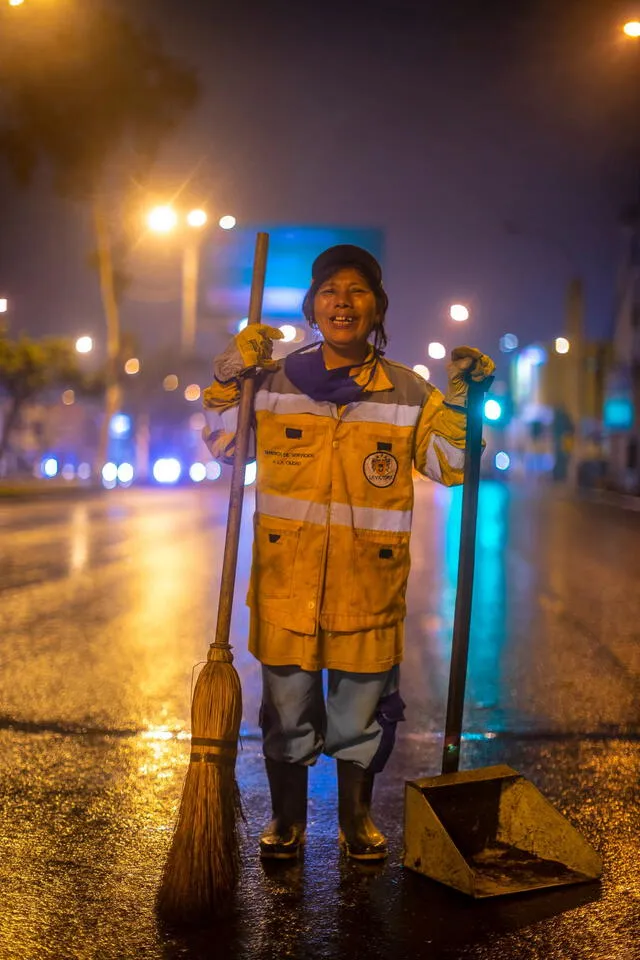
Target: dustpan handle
(464, 591)
(236, 493)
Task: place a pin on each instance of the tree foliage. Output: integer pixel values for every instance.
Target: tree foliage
(29, 368)
(85, 86)
(89, 93)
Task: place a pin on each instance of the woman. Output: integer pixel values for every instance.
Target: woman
(338, 430)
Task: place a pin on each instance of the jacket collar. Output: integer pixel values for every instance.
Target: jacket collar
(370, 375)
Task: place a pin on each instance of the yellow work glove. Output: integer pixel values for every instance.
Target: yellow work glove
(466, 362)
(250, 348)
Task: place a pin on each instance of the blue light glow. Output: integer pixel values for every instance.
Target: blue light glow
(50, 467)
(535, 355)
(492, 409)
(120, 425)
(503, 460)
(618, 413)
(508, 342)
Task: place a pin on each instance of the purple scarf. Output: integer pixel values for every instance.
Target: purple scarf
(306, 370)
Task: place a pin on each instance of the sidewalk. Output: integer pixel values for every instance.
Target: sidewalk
(30, 489)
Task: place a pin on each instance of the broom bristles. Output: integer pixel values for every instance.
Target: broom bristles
(202, 866)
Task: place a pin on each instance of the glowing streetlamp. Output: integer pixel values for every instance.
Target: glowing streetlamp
(458, 312)
(227, 222)
(4, 305)
(562, 345)
(422, 371)
(436, 350)
(197, 218)
(84, 345)
(632, 29)
(162, 219)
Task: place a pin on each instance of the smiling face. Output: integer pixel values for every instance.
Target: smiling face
(346, 312)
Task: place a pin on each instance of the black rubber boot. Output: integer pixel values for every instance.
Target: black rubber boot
(284, 837)
(359, 836)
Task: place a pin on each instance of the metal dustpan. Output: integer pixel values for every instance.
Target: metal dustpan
(485, 832)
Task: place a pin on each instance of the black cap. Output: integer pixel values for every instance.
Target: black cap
(347, 255)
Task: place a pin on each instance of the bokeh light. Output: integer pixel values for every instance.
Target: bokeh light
(192, 392)
(109, 472)
(508, 342)
(84, 345)
(162, 219)
(458, 312)
(167, 470)
(492, 409)
(197, 472)
(196, 218)
(288, 332)
(125, 473)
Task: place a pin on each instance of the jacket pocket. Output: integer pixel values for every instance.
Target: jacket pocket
(275, 551)
(381, 569)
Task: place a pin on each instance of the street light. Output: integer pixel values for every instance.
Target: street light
(458, 312)
(4, 305)
(197, 218)
(562, 345)
(436, 350)
(84, 345)
(162, 219)
(632, 29)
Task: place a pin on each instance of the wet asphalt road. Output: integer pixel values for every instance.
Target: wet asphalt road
(106, 603)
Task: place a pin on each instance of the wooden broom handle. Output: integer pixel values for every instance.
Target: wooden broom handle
(236, 495)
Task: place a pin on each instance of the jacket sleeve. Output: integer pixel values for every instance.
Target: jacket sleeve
(220, 402)
(439, 440)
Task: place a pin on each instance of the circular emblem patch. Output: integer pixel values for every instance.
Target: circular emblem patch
(380, 469)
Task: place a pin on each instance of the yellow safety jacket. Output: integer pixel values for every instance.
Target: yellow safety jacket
(334, 492)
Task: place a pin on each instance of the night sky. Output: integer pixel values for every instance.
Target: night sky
(495, 143)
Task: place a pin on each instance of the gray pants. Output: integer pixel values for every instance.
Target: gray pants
(358, 722)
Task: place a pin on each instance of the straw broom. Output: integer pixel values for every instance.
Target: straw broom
(201, 871)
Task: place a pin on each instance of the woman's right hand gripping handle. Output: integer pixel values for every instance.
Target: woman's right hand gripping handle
(250, 348)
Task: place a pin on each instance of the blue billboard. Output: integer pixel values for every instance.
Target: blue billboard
(227, 264)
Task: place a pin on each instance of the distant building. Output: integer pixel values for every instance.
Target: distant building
(558, 391)
(622, 401)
